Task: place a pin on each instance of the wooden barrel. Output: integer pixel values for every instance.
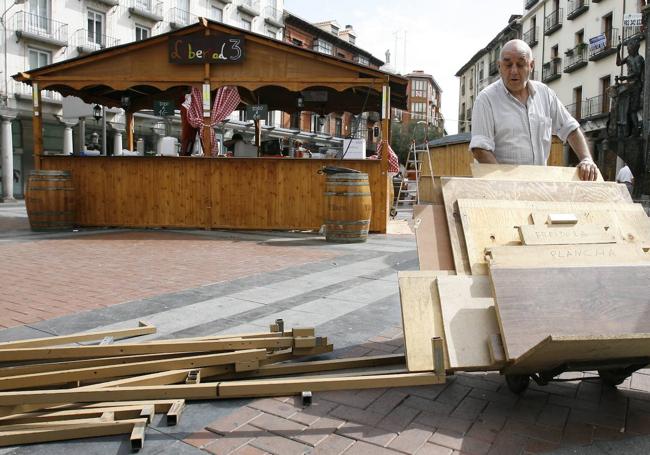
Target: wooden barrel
(50, 200)
(348, 207)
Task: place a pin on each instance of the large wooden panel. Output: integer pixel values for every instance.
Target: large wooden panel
(432, 238)
(421, 318)
(462, 188)
(451, 160)
(569, 301)
(208, 193)
(567, 234)
(542, 256)
(558, 350)
(526, 173)
(488, 223)
(469, 321)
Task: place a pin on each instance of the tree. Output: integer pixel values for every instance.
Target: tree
(403, 133)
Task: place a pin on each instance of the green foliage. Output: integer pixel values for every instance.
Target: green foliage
(403, 133)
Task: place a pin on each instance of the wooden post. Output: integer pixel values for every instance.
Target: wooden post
(37, 125)
(205, 134)
(258, 135)
(385, 133)
(129, 131)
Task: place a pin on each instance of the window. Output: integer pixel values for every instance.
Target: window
(338, 127)
(323, 47)
(419, 110)
(419, 88)
(246, 24)
(352, 39)
(481, 71)
(271, 33)
(577, 102)
(216, 12)
(40, 14)
(95, 27)
(361, 60)
(335, 30)
(142, 32)
(296, 42)
(471, 79)
(462, 86)
(38, 58)
(143, 4)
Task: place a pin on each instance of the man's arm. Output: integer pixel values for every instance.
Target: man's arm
(484, 156)
(587, 169)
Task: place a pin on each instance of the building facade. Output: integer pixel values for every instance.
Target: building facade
(40, 32)
(424, 98)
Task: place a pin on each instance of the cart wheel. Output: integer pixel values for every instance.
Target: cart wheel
(517, 383)
(613, 377)
(393, 213)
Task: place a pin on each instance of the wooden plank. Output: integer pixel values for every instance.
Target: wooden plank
(532, 256)
(144, 329)
(112, 371)
(492, 223)
(280, 387)
(495, 346)
(119, 413)
(554, 351)
(80, 352)
(463, 188)
(432, 237)
(569, 301)
(80, 431)
(421, 318)
(566, 235)
(469, 320)
(527, 173)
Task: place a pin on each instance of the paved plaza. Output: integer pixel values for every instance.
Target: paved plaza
(194, 283)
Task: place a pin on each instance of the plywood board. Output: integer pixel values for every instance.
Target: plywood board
(567, 255)
(469, 320)
(566, 235)
(421, 318)
(557, 350)
(432, 237)
(527, 173)
(492, 223)
(464, 188)
(533, 303)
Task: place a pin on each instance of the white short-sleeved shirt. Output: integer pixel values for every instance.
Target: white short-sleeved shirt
(518, 133)
(624, 175)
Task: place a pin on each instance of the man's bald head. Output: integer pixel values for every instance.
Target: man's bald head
(517, 46)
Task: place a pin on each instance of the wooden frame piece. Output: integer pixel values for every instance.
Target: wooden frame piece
(174, 412)
(124, 412)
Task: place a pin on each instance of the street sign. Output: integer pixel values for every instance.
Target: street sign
(163, 108)
(632, 19)
(257, 111)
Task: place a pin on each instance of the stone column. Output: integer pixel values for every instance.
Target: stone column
(68, 145)
(6, 117)
(118, 129)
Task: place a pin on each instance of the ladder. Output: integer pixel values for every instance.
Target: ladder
(409, 196)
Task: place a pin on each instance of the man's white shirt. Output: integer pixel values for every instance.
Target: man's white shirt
(518, 133)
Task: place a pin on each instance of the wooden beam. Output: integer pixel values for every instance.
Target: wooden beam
(119, 413)
(80, 352)
(37, 124)
(144, 329)
(88, 430)
(130, 369)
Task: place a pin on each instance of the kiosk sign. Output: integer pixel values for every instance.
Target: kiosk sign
(198, 49)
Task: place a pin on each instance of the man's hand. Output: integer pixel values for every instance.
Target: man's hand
(587, 169)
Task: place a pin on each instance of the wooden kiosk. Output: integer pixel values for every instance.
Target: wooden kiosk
(230, 193)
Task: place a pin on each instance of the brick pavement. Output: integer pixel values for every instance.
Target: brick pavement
(56, 277)
(473, 413)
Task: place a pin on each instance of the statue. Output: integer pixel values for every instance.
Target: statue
(630, 101)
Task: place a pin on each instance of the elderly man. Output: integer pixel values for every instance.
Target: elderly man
(514, 118)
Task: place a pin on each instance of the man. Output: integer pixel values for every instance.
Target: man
(625, 176)
(514, 118)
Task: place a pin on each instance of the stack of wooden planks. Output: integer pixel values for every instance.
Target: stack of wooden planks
(524, 268)
(56, 388)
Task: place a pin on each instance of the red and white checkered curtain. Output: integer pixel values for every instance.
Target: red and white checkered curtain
(393, 162)
(226, 100)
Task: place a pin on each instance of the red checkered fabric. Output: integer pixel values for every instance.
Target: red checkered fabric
(226, 100)
(393, 161)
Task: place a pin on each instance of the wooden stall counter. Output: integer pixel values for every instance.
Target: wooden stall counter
(220, 193)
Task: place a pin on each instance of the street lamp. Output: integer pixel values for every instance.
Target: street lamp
(5, 96)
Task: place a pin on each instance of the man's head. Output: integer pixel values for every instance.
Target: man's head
(515, 64)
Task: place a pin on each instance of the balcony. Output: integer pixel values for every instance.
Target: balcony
(273, 16)
(179, 18)
(631, 32)
(109, 2)
(551, 70)
(576, 7)
(493, 68)
(40, 28)
(605, 47)
(598, 106)
(553, 22)
(91, 42)
(528, 4)
(24, 92)
(576, 58)
(530, 37)
(147, 9)
(249, 7)
(575, 109)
